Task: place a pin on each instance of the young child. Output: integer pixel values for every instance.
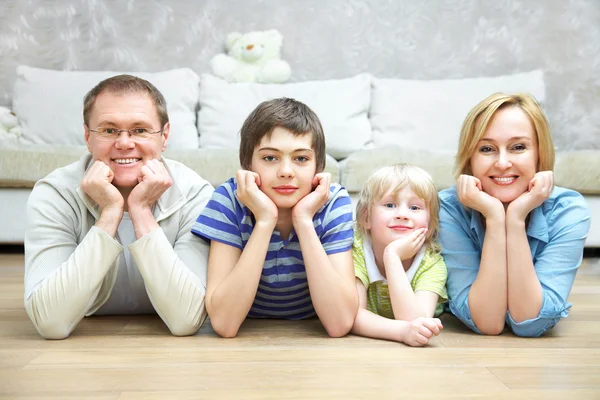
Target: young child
(280, 233)
(400, 274)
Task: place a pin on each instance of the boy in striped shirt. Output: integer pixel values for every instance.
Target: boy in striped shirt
(400, 273)
(280, 232)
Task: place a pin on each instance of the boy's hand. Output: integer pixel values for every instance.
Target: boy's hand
(471, 194)
(407, 246)
(419, 331)
(311, 203)
(97, 183)
(539, 190)
(154, 180)
(256, 200)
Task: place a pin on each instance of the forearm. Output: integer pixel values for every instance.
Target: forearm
(333, 294)
(62, 299)
(143, 221)
(524, 288)
(177, 294)
(229, 302)
(488, 294)
(375, 326)
(405, 304)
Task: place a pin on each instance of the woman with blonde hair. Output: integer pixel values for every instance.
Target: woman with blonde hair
(512, 241)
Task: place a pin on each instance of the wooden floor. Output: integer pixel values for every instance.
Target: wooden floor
(129, 358)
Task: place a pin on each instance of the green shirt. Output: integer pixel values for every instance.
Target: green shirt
(430, 276)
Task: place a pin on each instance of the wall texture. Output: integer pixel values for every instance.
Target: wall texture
(323, 39)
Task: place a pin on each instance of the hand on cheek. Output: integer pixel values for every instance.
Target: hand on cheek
(311, 203)
(539, 190)
(249, 193)
(154, 180)
(471, 195)
(407, 246)
(97, 183)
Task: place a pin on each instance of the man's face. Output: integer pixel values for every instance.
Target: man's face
(286, 165)
(125, 156)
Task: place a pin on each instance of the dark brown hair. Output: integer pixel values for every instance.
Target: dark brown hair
(286, 113)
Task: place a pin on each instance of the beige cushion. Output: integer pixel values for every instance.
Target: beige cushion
(578, 170)
(357, 168)
(22, 167)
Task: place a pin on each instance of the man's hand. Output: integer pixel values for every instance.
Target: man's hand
(97, 183)
(154, 180)
(539, 190)
(471, 194)
(407, 246)
(249, 193)
(419, 331)
(306, 208)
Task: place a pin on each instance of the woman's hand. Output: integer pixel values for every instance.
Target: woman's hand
(471, 194)
(539, 190)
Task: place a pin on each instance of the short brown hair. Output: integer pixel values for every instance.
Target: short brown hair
(286, 113)
(481, 115)
(393, 179)
(122, 84)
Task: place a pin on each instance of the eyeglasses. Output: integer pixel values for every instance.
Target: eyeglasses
(112, 134)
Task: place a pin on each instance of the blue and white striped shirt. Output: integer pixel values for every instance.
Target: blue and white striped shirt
(283, 288)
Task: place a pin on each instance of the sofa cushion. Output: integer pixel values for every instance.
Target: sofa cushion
(23, 166)
(578, 170)
(356, 169)
(421, 114)
(49, 103)
(342, 106)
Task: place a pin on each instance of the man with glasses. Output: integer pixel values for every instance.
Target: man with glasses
(110, 234)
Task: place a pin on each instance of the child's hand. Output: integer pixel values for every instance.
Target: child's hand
(309, 205)
(419, 331)
(539, 190)
(251, 196)
(471, 194)
(407, 246)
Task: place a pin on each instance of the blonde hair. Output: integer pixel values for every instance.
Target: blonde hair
(479, 118)
(393, 179)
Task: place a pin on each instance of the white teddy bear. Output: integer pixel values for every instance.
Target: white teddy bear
(9, 130)
(252, 57)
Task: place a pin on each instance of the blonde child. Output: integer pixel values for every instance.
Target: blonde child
(400, 274)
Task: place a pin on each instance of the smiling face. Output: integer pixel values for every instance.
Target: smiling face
(124, 156)
(506, 158)
(286, 165)
(395, 215)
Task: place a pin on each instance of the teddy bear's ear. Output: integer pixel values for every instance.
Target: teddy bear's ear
(274, 37)
(231, 39)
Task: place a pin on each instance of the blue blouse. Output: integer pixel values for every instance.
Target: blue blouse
(556, 233)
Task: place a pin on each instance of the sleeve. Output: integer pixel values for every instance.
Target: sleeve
(337, 232)
(219, 219)
(433, 277)
(556, 265)
(462, 256)
(360, 267)
(62, 277)
(175, 276)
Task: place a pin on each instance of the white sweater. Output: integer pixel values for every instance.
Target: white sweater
(71, 265)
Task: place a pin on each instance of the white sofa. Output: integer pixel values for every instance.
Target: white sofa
(368, 122)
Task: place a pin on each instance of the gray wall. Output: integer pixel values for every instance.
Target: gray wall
(328, 39)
